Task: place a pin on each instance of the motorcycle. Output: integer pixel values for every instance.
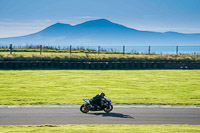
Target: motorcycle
(106, 105)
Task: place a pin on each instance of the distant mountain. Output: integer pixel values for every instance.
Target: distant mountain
(101, 32)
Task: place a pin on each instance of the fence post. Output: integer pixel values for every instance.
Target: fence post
(40, 49)
(98, 50)
(149, 50)
(177, 50)
(70, 49)
(123, 50)
(10, 48)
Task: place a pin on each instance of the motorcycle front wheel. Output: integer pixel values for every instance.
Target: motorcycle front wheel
(84, 109)
(108, 109)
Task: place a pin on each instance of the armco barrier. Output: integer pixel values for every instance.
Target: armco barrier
(100, 65)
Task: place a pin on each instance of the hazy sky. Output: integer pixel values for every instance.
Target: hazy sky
(21, 17)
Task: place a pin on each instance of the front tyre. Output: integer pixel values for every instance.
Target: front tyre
(108, 109)
(84, 109)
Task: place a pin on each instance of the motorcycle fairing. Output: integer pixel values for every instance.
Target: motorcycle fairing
(86, 100)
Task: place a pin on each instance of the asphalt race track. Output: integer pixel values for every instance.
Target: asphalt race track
(119, 115)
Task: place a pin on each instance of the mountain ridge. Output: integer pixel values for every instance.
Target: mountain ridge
(102, 32)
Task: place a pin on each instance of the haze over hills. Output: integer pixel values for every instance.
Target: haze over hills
(101, 32)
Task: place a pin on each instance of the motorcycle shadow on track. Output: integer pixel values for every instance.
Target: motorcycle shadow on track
(112, 114)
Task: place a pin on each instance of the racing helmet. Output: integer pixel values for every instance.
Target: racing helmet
(102, 94)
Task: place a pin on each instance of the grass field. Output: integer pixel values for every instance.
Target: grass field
(91, 56)
(121, 86)
(102, 128)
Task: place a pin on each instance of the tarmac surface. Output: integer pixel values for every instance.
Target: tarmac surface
(119, 115)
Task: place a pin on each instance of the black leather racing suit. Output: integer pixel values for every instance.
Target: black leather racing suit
(96, 101)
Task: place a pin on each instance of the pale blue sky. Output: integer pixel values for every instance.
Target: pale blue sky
(21, 17)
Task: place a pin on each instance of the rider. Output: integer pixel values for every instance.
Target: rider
(96, 100)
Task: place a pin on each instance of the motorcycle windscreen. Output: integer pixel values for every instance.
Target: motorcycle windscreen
(86, 100)
(108, 99)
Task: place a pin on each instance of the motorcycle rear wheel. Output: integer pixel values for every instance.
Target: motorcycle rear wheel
(83, 109)
(108, 109)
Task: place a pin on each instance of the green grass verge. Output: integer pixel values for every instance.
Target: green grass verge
(54, 50)
(102, 128)
(19, 87)
(95, 57)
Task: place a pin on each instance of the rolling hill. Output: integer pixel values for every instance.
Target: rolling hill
(101, 32)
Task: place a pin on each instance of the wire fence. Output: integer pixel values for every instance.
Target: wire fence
(40, 49)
